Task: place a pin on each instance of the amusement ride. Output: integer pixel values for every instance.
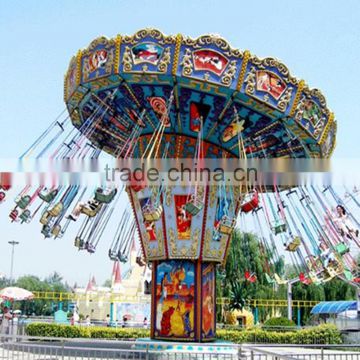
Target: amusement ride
(151, 96)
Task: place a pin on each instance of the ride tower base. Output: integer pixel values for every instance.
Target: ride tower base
(183, 301)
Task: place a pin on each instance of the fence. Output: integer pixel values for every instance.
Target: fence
(25, 348)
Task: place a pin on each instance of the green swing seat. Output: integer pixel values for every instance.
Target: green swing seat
(105, 197)
(23, 202)
(269, 279)
(25, 216)
(48, 196)
(278, 227)
(342, 248)
(195, 205)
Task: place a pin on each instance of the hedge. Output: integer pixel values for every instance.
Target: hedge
(322, 334)
(279, 321)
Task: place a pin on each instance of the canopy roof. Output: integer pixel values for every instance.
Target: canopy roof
(333, 307)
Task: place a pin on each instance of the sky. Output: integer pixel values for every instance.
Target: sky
(318, 40)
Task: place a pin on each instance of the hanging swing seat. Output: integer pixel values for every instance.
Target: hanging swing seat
(250, 202)
(112, 255)
(23, 202)
(45, 218)
(2, 196)
(294, 244)
(46, 231)
(304, 279)
(79, 243)
(348, 275)
(91, 208)
(151, 212)
(314, 278)
(13, 215)
(122, 257)
(227, 225)
(56, 210)
(90, 248)
(278, 227)
(105, 197)
(25, 216)
(194, 205)
(342, 248)
(48, 195)
(216, 235)
(279, 280)
(268, 279)
(140, 261)
(56, 230)
(5, 187)
(334, 270)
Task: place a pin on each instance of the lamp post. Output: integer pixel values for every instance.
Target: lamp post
(13, 244)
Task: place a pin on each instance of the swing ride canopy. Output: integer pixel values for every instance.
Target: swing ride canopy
(148, 78)
(151, 95)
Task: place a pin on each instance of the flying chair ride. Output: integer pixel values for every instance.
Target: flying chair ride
(192, 98)
(150, 96)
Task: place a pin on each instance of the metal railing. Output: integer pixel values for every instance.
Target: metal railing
(38, 348)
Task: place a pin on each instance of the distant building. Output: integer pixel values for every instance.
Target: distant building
(132, 288)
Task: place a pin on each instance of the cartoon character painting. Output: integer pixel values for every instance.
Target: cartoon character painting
(150, 230)
(270, 83)
(147, 52)
(97, 60)
(175, 291)
(208, 300)
(166, 321)
(311, 111)
(210, 60)
(183, 218)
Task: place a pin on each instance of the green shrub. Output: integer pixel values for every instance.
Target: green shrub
(279, 322)
(323, 334)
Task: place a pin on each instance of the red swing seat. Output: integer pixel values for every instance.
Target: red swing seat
(250, 202)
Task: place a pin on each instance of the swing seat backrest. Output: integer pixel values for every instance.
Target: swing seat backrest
(56, 230)
(56, 210)
(103, 197)
(227, 225)
(25, 216)
(45, 218)
(194, 206)
(140, 261)
(90, 248)
(216, 235)
(342, 249)
(48, 196)
(278, 227)
(90, 212)
(23, 202)
(13, 215)
(152, 213)
(279, 280)
(46, 231)
(112, 255)
(251, 202)
(269, 279)
(294, 244)
(122, 258)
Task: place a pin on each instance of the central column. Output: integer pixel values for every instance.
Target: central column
(183, 301)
